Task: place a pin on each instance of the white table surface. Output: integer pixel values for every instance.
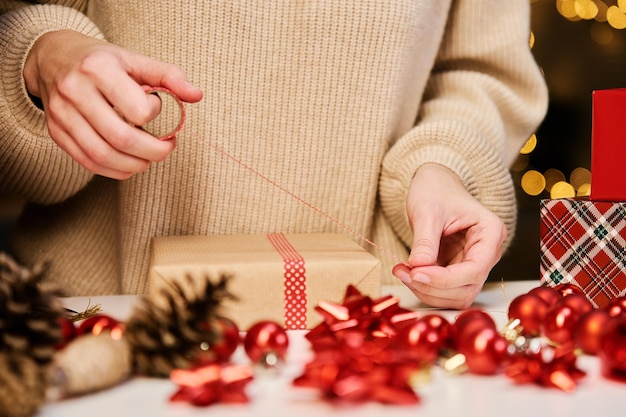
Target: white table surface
(273, 395)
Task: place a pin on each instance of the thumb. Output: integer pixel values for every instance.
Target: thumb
(425, 247)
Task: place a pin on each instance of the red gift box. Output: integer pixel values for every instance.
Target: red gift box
(608, 145)
(584, 243)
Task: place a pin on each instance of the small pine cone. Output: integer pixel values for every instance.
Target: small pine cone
(29, 311)
(169, 335)
(22, 385)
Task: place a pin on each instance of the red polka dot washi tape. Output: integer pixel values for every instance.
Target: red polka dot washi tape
(294, 282)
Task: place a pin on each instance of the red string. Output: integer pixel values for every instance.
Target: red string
(306, 203)
(270, 181)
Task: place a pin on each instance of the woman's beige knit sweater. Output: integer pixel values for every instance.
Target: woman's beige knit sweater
(339, 101)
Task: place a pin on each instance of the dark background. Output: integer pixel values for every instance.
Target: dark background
(574, 64)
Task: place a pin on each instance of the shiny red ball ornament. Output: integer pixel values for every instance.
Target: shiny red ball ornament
(442, 325)
(99, 324)
(547, 294)
(424, 338)
(616, 307)
(266, 342)
(568, 288)
(580, 303)
(558, 324)
(228, 338)
(588, 331)
(613, 351)
(485, 350)
(68, 331)
(530, 310)
(469, 321)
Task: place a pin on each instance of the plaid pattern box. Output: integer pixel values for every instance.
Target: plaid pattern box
(584, 243)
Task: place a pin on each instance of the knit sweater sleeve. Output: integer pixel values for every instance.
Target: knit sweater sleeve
(483, 100)
(31, 164)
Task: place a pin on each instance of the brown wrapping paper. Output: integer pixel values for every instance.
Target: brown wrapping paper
(313, 267)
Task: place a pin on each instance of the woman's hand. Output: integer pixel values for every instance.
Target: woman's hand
(456, 240)
(93, 93)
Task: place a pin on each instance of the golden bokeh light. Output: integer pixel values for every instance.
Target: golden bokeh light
(586, 9)
(602, 8)
(616, 17)
(529, 146)
(553, 176)
(600, 11)
(562, 189)
(567, 8)
(533, 182)
(579, 177)
(584, 190)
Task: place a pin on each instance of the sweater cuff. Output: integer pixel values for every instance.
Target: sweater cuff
(19, 30)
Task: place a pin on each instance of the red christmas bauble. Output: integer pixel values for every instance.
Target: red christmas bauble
(530, 309)
(547, 294)
(424, 338)
(443, 326)
(613, 351)
(580, 303)
(228, 338)
(68, 331)
(568, 288)
(588, 331)
(469, 321)
(100, 323)
(266, 338)
(485, 350)
(558, 323)
(616, 307)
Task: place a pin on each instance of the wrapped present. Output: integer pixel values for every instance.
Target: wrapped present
(608, 145)
(584, 243)
(279, 277)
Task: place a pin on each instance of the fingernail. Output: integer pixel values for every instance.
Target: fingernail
(403, 275)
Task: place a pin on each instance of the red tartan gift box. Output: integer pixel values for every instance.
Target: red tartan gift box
(584, 243)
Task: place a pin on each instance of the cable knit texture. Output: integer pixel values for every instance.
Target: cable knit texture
(337, 101)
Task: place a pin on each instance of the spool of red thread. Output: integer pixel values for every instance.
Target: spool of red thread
(168, 100)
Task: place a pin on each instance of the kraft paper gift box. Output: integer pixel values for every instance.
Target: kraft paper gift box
(584, 243)
(608, 145)
(273, 277)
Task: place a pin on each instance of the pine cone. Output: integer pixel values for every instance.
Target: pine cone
(29, 312)
(171, 335)
(22, 385)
